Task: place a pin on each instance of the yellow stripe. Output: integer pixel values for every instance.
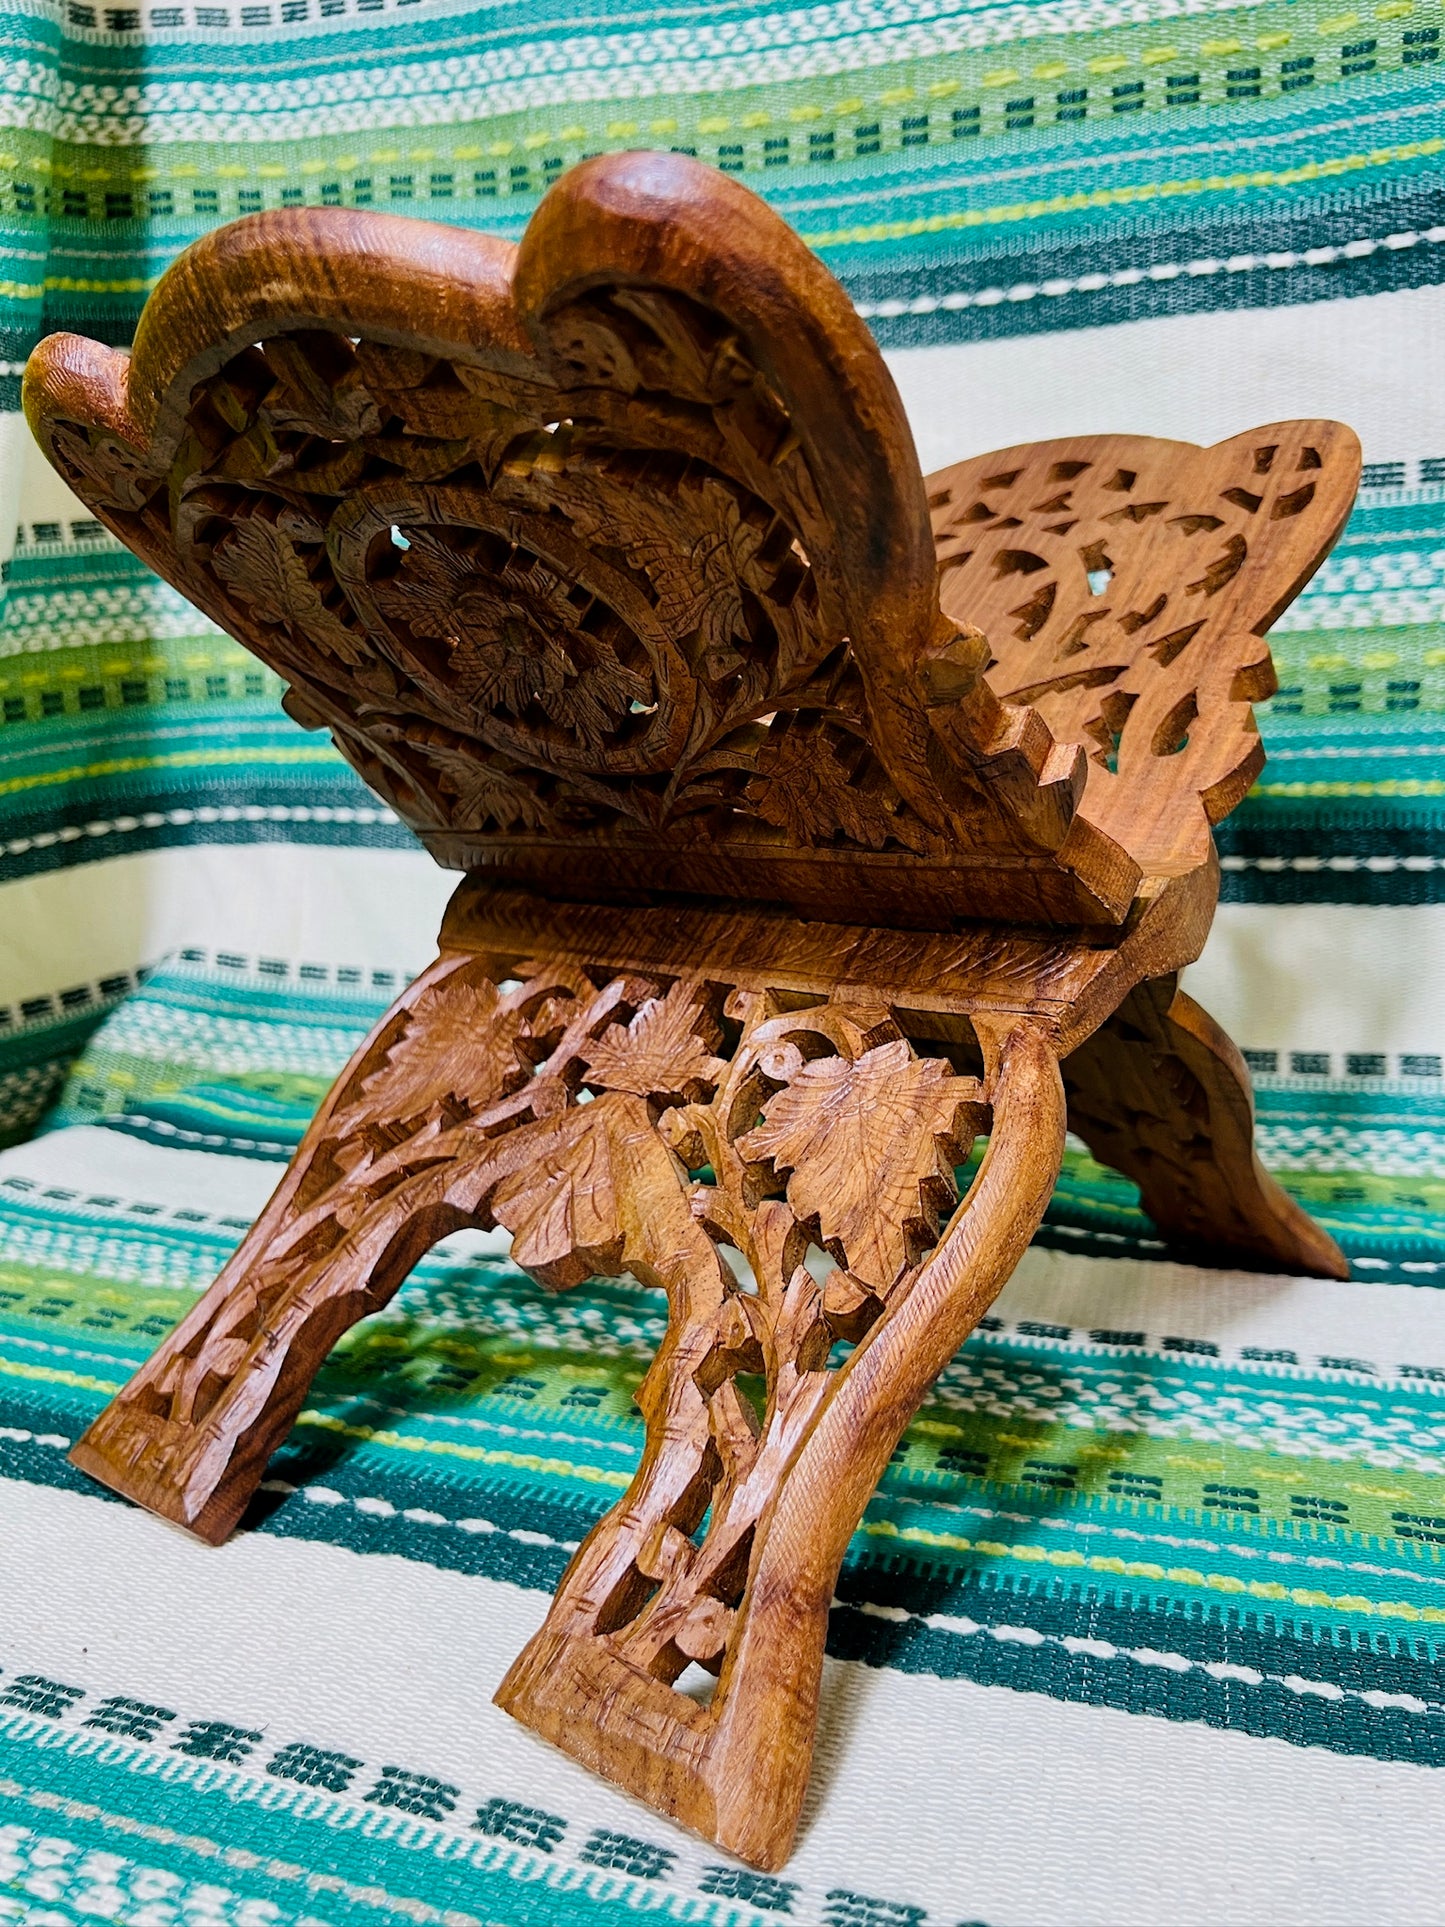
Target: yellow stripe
(52, 1375)
(77, 284)
(1123, 196)
(879, 1529)
(177, 759)
(1176, 1575)
(448, 1448)
(442, 1448)
(1397, 786)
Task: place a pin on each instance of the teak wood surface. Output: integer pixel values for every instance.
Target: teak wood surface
(817, 819)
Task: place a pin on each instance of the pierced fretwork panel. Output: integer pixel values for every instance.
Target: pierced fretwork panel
(781, 1162)
(649, 1125)
(600, 564)
(1125, 586)
(782, 1165)
(532, 628)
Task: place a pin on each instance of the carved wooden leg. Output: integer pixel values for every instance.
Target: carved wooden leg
(765, 1124)
(726, 1548)
(1160, 1093)
(190, 1435)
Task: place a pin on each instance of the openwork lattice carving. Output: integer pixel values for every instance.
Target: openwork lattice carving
(712, 1140)
(608, 562)
(564, 1103)
(559, 555)
(1126, 586)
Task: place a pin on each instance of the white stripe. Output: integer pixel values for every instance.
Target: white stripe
(307, 903)
(1331, 865)
(1096, 282)
(1325, 976)
(1354, 360)
(373, 1507)
(206, 813)
(88, 1158)
(1382, 1324)
(1023, 1809)
(1104, 1649)
(661, 62)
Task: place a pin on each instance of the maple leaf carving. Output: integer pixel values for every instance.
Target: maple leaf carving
(870, 1143)
(575, 1207)
(258, 564)
(661, 1053)
(804, 787)
(594, 701)
(508, 657)
(563, 1208)
(458, 1051)
(484, 792)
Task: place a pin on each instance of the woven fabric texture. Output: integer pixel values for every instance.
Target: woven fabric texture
(1145, 1620)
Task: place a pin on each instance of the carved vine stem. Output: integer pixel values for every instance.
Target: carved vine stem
(736, 1770)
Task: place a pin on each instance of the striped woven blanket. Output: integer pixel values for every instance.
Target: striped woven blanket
(1143, 1623)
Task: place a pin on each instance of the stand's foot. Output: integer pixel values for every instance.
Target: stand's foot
(1160, 1093)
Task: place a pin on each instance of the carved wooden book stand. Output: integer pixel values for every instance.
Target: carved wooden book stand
(817, 820)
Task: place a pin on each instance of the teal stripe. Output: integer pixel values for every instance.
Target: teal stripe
(312, 1852)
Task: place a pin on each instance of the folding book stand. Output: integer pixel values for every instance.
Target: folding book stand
(608, 563)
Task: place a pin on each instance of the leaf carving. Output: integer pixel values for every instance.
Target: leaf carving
(105, 472)
(696, 548)
(562, 1209)
(665, 1052)
(485, 792)
(871, 1143)
(567, 1205)
(804, 786)
(458, 1053)
(258, 564)
(319, 388)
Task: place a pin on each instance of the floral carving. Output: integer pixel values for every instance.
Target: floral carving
(820, 783)
(467, 1108)
(1110, 576)
(697, 545)
(513, 638)
(662, 548)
